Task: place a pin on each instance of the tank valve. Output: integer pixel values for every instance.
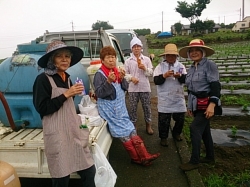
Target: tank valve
(22, 126)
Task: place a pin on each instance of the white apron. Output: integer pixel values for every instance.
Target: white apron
(66, 145)
(170, 94)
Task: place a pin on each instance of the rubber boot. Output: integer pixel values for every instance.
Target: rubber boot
(132, 152)
(149, 129)
(142, 152)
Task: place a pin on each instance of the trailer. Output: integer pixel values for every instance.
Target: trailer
(23, 148)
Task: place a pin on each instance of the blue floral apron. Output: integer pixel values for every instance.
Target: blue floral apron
(115, 113)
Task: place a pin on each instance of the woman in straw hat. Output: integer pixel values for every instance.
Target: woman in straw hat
(171, 100)
(110, 87)
(202, 81)
(66, 145)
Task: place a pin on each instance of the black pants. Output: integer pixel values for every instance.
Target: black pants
(164, 120)
(200, 130)
(87, 178)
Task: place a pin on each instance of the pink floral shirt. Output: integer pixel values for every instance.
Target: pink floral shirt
(132, 70)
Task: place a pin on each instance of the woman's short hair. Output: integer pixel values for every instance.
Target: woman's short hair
(107, 50)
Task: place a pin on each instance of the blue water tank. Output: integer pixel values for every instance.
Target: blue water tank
(17, 75)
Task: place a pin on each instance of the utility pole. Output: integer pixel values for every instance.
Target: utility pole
(243, 8)
(162, 22)
(240, 14)
(72, 25)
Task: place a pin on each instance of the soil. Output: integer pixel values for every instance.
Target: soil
(229, 160)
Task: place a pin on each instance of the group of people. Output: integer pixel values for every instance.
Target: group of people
(66, 147)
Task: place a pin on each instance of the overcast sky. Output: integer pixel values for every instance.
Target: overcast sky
(24, 20)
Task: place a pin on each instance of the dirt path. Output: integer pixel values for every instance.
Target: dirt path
(164, 171)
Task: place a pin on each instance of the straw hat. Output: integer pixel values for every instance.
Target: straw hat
(170, 49)
(76, 52)
(196, 43)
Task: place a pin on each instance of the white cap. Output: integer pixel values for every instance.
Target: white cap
(135, 41)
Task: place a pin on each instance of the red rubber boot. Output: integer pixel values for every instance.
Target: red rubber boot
(141, 150)
(132, 152)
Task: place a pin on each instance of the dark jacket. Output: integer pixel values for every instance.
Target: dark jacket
(42, 91)
(105, 90)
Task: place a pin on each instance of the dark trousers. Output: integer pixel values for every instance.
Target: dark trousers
(164, 120)
(200, 130)
(87, 178)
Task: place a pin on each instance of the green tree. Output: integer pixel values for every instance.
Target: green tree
(222, 25)
(198, 26)
(230, 26)
(191, 11)
(178, 27)
(142, 32)
(209, 25)
(104, 24)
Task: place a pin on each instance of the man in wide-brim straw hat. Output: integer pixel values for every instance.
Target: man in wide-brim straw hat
(171, 101)
(202, 81)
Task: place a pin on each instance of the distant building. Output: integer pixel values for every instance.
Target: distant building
(186, 30)
(242, 25)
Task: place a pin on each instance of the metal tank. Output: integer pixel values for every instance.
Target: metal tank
(17, 75)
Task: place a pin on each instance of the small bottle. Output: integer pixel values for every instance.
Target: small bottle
(81, 82)
(180, 70)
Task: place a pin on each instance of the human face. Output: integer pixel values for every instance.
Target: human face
(62, 59)
(195, 54)
(170, 58)
(136, 50)
(109, 61)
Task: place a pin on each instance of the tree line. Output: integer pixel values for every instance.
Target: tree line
(190, 11)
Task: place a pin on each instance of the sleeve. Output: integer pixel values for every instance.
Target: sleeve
(212, 72)
(158, 80)
(42, 101)
(182, 79)
(214, 95)
(148, 72)
(102, 88)
(213, 79)
(126, 67)
(128, 76)
(158, 75)
(124, 84)
(149, 67)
